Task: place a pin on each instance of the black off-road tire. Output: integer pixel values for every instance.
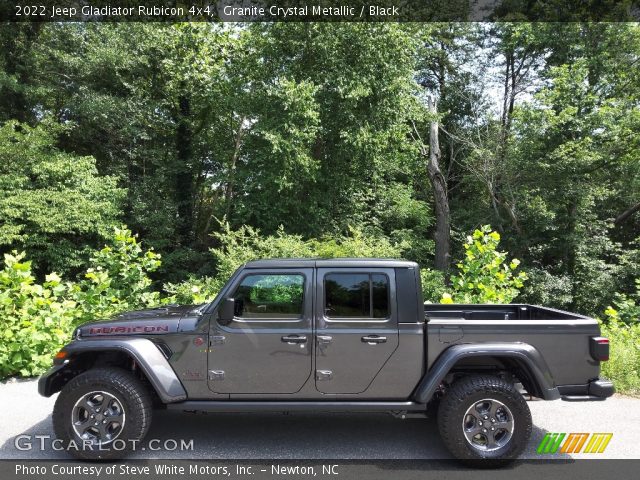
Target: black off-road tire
(466, 401)
(126, 395)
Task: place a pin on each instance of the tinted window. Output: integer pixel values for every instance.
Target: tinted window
(357, 295)
(271, 296)
(380, 294)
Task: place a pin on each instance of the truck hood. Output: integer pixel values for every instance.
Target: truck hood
(153, 321)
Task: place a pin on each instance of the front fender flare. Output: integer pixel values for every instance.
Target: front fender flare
(526, 355)
(148, 357)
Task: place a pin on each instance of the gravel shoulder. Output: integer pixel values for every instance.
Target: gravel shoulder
(321, 436)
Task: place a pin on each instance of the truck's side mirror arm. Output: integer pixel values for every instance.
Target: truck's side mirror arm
(226, 312)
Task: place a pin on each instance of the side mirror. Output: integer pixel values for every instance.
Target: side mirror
(226, 312)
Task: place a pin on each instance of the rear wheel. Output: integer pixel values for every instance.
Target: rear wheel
(102, 414)
(484, 418)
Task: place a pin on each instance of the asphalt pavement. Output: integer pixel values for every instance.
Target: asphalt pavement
(26, 418)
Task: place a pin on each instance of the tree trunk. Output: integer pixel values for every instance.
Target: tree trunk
(184, 174)
(626, 214)
(441, 200)
(237, 145)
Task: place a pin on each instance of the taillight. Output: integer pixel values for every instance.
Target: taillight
(599, 348)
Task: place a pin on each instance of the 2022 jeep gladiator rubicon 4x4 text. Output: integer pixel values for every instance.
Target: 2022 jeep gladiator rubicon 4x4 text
(326, 335)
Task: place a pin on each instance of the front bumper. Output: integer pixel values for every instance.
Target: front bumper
(49, 383)
(599, 389)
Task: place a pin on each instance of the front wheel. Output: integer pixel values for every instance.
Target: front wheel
(102, 413)
(484, 418)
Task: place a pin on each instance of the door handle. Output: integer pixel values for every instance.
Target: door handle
(293, 339)
(374, 339)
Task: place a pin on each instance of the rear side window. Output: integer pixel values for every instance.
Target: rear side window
(270, 296)
(356, 295)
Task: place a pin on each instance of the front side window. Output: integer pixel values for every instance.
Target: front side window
(270, 296)
(356, 295)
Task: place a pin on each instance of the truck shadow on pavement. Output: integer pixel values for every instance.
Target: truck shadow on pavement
(263, 436)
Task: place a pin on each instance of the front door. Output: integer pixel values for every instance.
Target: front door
(266, 348)
(356, 326)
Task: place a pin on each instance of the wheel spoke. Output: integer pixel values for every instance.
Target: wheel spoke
(98, 417)
(88, 406)
(506, 424)
(493, 409)
(103, 432)
(116, 417)
(491, 440)
(87, 420)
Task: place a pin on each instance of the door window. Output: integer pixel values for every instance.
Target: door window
(356, 295)
(270, 296)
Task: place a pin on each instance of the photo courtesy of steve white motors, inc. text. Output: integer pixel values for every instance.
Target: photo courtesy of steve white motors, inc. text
(228, 470)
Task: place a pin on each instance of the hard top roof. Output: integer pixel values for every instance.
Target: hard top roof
(330, 262)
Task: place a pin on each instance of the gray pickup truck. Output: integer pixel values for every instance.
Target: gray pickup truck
(326, 335)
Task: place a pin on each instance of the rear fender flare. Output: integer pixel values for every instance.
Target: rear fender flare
(523, 353)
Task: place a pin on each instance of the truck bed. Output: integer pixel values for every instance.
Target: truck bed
(495, 312)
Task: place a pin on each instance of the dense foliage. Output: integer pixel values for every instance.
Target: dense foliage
(218, 143)
(52, 203)
(319, 128)
(38, 318)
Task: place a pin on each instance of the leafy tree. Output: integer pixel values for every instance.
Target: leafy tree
(150, 104)
(52, 203)
(485, 275)
(573, 166)
(344, 94)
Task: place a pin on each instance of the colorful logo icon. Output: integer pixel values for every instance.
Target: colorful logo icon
(574, 443)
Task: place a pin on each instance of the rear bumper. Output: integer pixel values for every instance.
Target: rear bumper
(594, 390)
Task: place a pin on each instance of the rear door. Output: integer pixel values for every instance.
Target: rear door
(266, 349)
(356, 327)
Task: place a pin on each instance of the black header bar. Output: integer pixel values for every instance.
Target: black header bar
(319, 10)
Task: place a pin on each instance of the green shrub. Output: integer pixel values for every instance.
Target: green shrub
(485, 275)
(356, 245)
(118, 279)
(622, 327)
(53, 203)
(37, 320)
(623, 366)
(627, 307)
(244, 244)
(193, 291)
(433, 285)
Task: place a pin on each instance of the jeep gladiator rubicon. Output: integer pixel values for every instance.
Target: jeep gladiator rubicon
(327, 335)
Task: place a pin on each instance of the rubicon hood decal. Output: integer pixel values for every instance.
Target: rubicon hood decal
(112, 329)
(150, 322)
